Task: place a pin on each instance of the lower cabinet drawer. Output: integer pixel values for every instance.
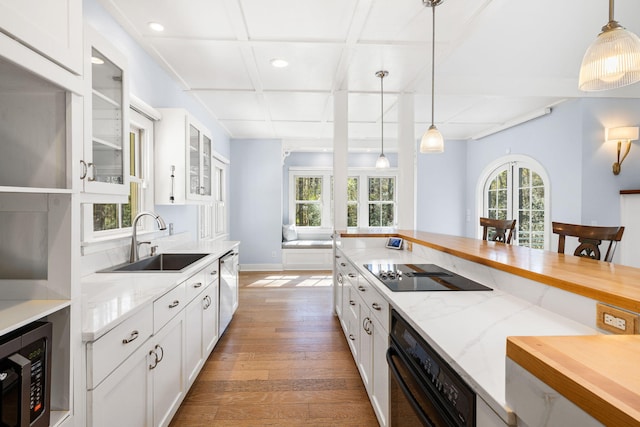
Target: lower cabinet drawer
(168, 305)
(110, 350)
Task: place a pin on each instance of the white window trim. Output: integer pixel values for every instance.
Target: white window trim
(515, 158)
(210, 214)
(362, 174)
(95, 242)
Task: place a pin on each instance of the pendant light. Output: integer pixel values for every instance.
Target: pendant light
(432, 140)
(613, 60)
(382, 162)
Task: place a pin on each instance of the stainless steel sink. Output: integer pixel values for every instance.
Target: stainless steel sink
(170, 263)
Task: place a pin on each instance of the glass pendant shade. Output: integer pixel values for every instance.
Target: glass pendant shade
(382, 162)
(612, 61)
(432, 141)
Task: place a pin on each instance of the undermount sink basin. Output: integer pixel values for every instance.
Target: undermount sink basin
(171, 263)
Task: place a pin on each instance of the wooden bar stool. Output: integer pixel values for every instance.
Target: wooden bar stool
(500, 227)
(590, 238)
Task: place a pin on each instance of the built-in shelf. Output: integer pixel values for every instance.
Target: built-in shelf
(16, 314)
(103, 102)
(109, 146)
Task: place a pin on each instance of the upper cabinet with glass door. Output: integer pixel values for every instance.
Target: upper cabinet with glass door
(106, 156)
(183, 162)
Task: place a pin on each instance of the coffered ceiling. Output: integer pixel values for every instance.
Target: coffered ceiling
(497, 61)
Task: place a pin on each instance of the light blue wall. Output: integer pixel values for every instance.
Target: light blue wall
(256, 200)
(440, 186)
(568, 143)
(150, 83)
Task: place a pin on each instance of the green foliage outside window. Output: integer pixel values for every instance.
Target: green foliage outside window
(308, 193)
(381, 201)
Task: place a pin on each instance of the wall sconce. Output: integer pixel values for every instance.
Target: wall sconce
(627, 134)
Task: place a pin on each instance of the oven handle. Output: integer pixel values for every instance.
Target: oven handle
(405, 389)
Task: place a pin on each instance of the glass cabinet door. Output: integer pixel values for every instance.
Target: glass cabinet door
(105, 164)
(206, 166)
(108, 161)
(194, 160)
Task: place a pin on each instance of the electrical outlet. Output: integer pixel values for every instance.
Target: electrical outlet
(615, 320)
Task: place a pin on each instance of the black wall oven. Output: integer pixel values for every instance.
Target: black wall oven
(424, 389)
(25, 376)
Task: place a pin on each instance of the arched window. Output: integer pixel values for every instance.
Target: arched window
(517, 187)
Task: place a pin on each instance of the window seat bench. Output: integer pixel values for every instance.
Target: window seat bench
(307, 254)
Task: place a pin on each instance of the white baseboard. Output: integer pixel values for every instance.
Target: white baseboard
(260, 267)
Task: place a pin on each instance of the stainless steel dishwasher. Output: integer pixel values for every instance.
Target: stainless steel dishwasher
(228, 289)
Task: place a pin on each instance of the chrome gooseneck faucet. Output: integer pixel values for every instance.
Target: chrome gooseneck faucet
(133, 257)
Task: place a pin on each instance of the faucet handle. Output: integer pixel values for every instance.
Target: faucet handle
(154, 250)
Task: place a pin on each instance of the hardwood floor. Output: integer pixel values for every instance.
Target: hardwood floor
(284, 361)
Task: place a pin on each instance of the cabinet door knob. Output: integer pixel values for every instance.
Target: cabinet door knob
(132, 337)
(351, 337)
(174, 304)
(94, 173)
(376, 306)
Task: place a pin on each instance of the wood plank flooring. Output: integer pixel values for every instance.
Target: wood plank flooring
(284, 361)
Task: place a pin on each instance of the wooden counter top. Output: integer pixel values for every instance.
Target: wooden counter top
(610, 283)
(597, 373)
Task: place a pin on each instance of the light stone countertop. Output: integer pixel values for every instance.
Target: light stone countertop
(110, 298)
(468, 329)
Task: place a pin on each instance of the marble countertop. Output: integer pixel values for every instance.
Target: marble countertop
(468, 329)
(110, 298)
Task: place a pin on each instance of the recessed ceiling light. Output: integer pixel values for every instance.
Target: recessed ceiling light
(279, 63)
(156, 26)
(96, 60)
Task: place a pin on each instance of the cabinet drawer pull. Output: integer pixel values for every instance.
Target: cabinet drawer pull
(207, 301)
(352, 302)
(343, 264)
(197, 285)
(95, 171)
(174, 304)
(362, 288)
(365, 325)
(376, 306)
(214, 272)
(132, 337)
(351, 337)
(352, 275)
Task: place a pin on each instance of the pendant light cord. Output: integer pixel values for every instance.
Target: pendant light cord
(433, 61)
(382, 112)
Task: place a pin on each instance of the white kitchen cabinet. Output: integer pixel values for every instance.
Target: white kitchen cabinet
(105, 163)
(124, 398)
(167, 371)
(53, 28)
(147, 388)
(183, 159)
(372, 363)
(365, 321)
(166, 346)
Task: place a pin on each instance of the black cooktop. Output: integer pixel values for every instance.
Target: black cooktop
(422, 277)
